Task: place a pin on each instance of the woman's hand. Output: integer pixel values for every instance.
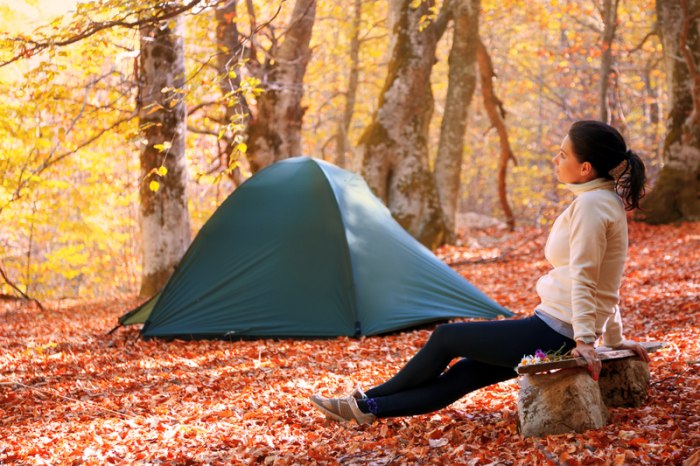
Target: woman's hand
(588, 352)
(636, 347)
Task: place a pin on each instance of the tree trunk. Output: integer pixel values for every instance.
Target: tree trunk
(237, 112)
(494, 108)
(460, 89)
(342, 141)
(616, 117)
(609, 16)
(394, 147)
(164, 218)
(275, 132)
(676, 194)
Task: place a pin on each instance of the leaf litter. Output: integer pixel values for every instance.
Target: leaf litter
(71, 394)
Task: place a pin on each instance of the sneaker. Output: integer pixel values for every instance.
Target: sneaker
(358, 394)
(342, 409)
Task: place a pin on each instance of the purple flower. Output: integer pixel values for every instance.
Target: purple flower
(539, 354)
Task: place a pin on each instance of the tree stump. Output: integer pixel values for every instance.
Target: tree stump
(561, 402)
(624, 382)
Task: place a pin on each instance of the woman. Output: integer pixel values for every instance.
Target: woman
(579, 296)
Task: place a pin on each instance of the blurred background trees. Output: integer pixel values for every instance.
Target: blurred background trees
(381, 87)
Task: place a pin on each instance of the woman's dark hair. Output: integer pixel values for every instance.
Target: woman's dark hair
(603, 146)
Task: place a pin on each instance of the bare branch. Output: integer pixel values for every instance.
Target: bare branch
(93, 28)
(496, 112)
(209, 132)
(653, 32)
(16, 288)
(49, 162)
(444, 17)
(202, 105)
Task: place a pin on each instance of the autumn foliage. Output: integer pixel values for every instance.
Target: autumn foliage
(71, 394)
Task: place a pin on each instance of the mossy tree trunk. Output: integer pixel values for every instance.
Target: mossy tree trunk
(460, 89)
(343, 145)
(164, 217)
(608, 14)
(676, 193)
(275, 131)
(394, 146)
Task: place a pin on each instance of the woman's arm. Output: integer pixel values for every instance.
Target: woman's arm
(587, 244)
(612, 334)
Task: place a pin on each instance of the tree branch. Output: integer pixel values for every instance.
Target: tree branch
(496, 113)
(49, 162)
(653, 32)
(93, 28)
(16, 288)
(208, 132)
(444, 17)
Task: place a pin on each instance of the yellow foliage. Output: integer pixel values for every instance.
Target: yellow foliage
(162, 147)
(71, 228)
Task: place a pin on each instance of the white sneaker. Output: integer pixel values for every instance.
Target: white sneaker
(342, 409)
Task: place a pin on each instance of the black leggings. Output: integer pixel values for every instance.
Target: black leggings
(490, 351)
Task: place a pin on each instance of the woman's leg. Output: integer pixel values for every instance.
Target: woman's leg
(463, 377)
(492, 350)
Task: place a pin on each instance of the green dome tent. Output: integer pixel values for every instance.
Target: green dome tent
(304, 249)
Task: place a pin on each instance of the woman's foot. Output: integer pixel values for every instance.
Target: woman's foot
(358, 394)
(343, 409)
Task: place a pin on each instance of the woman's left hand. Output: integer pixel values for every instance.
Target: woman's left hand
(636, 347)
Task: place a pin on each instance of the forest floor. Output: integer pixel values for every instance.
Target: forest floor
(71, 394)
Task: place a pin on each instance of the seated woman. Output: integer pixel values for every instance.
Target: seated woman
(587, 247)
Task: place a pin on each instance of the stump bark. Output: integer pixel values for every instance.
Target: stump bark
(562, 402)
(624, 382)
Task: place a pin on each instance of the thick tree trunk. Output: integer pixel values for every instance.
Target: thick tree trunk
(676, 194)
(394, 147)
(609, 16)
(494, 108)
(275, 132)
(164, 218)
(342, 141)
(237, 113)
(460, 89)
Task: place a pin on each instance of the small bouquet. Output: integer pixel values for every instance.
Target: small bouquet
(540, 357)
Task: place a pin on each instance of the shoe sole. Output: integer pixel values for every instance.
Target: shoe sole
(329, 414)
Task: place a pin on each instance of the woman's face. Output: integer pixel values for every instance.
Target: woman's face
(568, 168)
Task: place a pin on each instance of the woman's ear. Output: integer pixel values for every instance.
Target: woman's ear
(586, 169)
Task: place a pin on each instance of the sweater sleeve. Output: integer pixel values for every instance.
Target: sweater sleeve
(612, 336)
(587, 243)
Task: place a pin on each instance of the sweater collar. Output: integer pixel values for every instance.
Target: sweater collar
(598, 183)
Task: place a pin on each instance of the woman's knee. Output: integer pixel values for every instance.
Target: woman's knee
(445, 333)
(438, 334)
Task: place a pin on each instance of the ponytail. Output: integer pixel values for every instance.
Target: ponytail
(630, 184)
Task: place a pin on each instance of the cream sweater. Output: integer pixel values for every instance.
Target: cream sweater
(587, 248)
